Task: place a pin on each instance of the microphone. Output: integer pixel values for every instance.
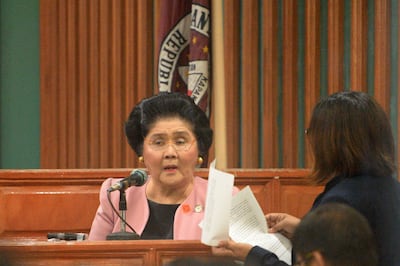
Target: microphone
(136, 178)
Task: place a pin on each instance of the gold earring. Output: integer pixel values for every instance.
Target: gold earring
(141, 159)
(200, 160)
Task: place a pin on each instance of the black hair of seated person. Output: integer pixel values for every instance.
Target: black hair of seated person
(202, 261)
(167, 105)
(340, 233)
(6, 259)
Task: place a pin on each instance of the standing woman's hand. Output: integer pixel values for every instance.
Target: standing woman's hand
(282, 223)
(230, 248)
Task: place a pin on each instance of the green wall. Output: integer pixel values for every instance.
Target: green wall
(19, 84)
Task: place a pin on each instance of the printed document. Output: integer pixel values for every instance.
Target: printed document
(248, 225)
(243, 221)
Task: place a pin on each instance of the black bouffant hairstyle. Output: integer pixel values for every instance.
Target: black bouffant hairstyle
(166, 105)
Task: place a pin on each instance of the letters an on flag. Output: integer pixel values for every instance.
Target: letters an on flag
(184, 49)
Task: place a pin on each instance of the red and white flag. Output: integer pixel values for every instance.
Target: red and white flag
(184, 49)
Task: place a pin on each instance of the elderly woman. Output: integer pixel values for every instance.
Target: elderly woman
(171, 135)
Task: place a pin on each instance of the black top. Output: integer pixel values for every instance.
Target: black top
(161, 221)
(377, 198)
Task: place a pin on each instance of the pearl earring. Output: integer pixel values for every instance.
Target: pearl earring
(141, 159)
(200, 160)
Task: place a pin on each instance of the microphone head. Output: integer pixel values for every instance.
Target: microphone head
(137, 178)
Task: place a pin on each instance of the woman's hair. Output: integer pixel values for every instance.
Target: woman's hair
(340, 233)
(350, 134)
(167, 105)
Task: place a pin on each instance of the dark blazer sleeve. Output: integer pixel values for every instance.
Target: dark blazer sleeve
(262, 257)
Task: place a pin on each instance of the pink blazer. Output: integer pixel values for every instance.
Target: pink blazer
(187, 217)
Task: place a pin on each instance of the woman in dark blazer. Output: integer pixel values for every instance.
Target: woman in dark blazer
(354, 157)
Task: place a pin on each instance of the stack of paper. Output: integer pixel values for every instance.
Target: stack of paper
(239, 217)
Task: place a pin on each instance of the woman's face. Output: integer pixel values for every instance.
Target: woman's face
(170, 152)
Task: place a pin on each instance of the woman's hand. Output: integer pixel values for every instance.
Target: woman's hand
(282, 223)
(229, 248)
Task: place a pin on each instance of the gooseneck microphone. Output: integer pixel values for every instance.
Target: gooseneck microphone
(136, 178)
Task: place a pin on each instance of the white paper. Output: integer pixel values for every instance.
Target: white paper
(239, 217)
(248, 225)
(215, 225)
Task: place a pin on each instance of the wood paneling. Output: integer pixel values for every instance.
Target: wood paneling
(34, 202)
(249, 96)
(270, 84)
(232, 51)
(382, 53)
(289, 84)
(114, 253)
(96, 63)
(98, 60)
(335, 46)
(312, 63)
(359, 46)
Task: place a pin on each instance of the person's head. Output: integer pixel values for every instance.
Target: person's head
(349, 133)
(7, 258)
(169, 125)
(334, 234)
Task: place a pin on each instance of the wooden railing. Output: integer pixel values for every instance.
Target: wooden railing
(34, 202)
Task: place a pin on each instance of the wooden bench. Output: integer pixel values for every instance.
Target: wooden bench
(35, 202)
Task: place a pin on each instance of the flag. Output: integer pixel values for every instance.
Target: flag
(184, 49)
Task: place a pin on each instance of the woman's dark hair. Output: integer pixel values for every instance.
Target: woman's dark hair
(167, 105)
(350, 134)
(340, 233)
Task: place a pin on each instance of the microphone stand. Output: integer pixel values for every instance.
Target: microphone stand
(123, 234)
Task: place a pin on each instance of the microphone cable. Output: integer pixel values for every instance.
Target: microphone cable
(117, 212)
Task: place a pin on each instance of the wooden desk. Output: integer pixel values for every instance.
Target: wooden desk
(122, 252)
